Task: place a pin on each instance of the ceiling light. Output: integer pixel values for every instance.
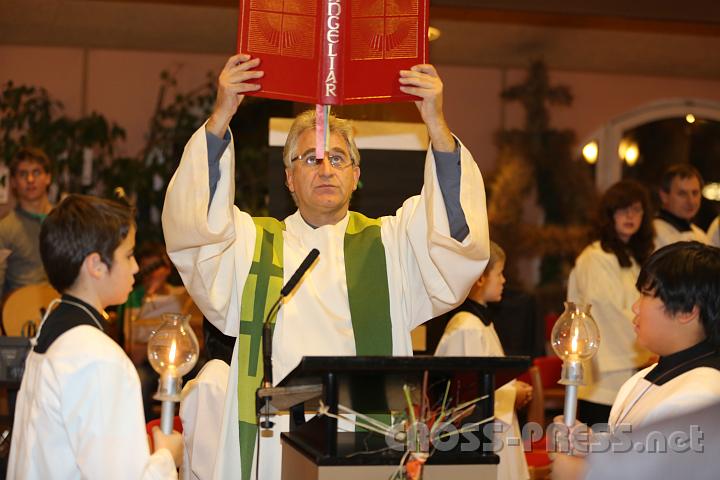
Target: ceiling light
(711, 191)
(622, 148)
(628, 151)
(632, 153)
(590, 152)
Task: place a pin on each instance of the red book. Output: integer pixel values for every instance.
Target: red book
(334, 52)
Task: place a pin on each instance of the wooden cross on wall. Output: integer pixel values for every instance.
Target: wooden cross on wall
(534, 94)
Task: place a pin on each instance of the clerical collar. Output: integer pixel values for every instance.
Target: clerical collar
(65, 317)
(680, 224)
(478, 309)
(703, 354)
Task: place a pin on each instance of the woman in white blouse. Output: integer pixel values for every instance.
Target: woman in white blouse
(604, 276)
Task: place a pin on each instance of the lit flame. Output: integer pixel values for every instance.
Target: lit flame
(574, 339)
(173, 347)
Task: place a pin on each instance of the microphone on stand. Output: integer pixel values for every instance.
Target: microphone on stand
(267, 329)
(290, 285)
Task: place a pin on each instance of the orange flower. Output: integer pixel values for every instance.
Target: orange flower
(414, 466)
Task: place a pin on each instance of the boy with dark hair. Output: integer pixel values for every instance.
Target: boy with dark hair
(30, 178)
(79, 412)
(30, 154)
(677, 317)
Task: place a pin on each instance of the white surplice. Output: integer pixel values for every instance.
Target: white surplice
(467, 336)
(598, 279)
(79, 414)
(640, 403)
(665, 234)
(428, 271)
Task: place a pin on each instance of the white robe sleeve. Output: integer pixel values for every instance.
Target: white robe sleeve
(505, 402)
(201, 412)
(435, 270)
(211, 248)
(102, 410)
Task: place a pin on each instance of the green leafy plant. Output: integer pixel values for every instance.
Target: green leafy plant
(30, 117)
(145, 177)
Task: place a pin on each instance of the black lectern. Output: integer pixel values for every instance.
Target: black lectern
(374, 385)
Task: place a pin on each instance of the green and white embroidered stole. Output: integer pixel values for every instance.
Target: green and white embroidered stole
(368, 295)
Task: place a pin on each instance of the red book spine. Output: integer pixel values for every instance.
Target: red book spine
(332, 27)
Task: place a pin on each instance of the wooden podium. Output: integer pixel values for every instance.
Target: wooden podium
(374, 385)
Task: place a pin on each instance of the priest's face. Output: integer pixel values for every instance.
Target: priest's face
(683, 199)
(322, 192)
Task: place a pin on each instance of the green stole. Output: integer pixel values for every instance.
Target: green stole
(368, 295)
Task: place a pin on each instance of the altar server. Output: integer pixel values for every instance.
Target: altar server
(79, 412)
(680, 195)
(471, 333)
(677, 317)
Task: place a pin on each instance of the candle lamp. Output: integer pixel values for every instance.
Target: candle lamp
(575, 338)
(173, 351)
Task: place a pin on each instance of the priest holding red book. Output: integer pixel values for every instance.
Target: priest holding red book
(374, 280)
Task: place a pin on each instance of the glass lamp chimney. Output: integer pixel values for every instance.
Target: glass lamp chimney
(173, 352)
(575, 338)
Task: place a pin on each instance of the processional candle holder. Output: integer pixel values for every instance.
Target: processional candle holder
(173, 351)
(575, 338)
